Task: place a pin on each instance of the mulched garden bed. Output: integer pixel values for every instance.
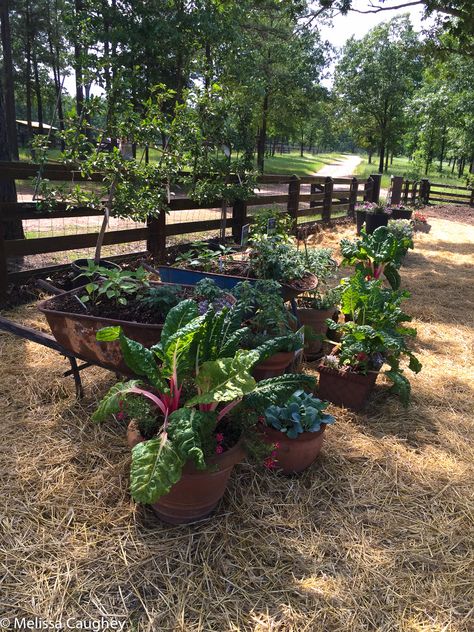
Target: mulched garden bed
(452, 212)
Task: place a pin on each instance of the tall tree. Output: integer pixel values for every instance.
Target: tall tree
(9, 117)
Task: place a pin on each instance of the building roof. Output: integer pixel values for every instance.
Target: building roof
(36, 125)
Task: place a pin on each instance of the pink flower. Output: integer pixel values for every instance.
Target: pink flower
(120, 416)
(269, 463)
(219, 449)
(219, 437)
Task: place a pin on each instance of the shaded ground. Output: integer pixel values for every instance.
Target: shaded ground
(377, 535)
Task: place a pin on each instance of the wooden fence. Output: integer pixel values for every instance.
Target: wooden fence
(307, 199)
(426, 192)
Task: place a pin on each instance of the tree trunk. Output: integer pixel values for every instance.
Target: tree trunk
(442, 150)
(262, 135)
(13, 229)
(28, 73)
(461, 167)
(369, 159)
(39, 98)
(391, 158)
(382, 155)
(10, 112)
(78, 70)
(386, 159)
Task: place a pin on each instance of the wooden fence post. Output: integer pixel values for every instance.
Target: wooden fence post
(406, 190)
(377, 178)
(156, 242)
(425, 191)
(239, 219)
(368, 186)
(327, 201)
(294, 199)
(471, 201)
(396, 184)
(353, 191)
(413, 191)
(3, 263)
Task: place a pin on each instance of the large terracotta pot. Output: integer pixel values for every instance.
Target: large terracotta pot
(295, 455)
(314, 319)
(273, 366)
(374, 221)
(198, 492)
(345, 388)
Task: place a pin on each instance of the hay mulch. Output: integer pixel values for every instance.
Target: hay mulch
(377, 535)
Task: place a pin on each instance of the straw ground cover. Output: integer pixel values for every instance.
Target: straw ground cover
(377, 535)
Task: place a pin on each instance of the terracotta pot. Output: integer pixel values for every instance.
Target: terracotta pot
(273, 366)
(360, 219)
(398, 213)
(295, 455)
(345, 388)
(198, 492)
(374, 221)
(315, 320)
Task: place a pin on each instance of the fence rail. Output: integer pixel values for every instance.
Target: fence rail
(425, 192)
(308, 199)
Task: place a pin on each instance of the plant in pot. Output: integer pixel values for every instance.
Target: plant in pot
(378, 254)
(316, 306)
(296, 428)
(360, 214)
(194, 378)
(402, 229)
(420, 223)
(270, 326)
(375, 216)
(401, 212)
(374, 335)
(271, 224)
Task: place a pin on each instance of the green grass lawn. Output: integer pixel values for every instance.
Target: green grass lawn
(294, 164)
(403, 167)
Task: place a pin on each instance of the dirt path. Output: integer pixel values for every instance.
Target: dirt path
(341, 168)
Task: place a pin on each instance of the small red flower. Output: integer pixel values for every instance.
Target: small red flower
(120, 416)
(219, 437)
(219, 449)
(269, 463)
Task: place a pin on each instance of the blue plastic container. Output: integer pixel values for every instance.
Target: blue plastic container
(191, 277)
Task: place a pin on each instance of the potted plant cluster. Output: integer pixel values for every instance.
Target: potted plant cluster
(189, 435)
(376, 215)
(374, 333)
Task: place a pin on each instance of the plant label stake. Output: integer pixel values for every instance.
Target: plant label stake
(271, 226)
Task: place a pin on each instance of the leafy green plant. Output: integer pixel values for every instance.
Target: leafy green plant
(281, 231)
(268, 320)
(113, 284)
(402, 229)
(376, 333)
(301, 413)
(203, 353)
(378, 254)
(162, 298)
(201, 257)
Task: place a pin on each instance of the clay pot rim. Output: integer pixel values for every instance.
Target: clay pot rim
(273, 359)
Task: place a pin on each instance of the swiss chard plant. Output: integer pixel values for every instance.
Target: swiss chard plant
(378, 254)
(376, 333)
(194, 377)
(302, 412)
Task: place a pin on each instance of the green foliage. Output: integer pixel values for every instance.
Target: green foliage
(162, 298)
(276, 390)
(112, 284)
(201, 257)
(283, 225)
(301, 413)
(377, 254)
(110, 404)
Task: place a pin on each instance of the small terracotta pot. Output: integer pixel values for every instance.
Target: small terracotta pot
(198, 492)
(273, 366)
(295, 455)
(345, 388)
(374, 221)
(314, 319)
(398, 213)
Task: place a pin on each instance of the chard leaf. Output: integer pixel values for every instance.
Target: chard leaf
(225, 380)
(277, 390)
(401, 385)
(155, 468)
(141, 361)
(177, 318)
(110, 403)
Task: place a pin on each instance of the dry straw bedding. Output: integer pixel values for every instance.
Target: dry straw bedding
(377, 535)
